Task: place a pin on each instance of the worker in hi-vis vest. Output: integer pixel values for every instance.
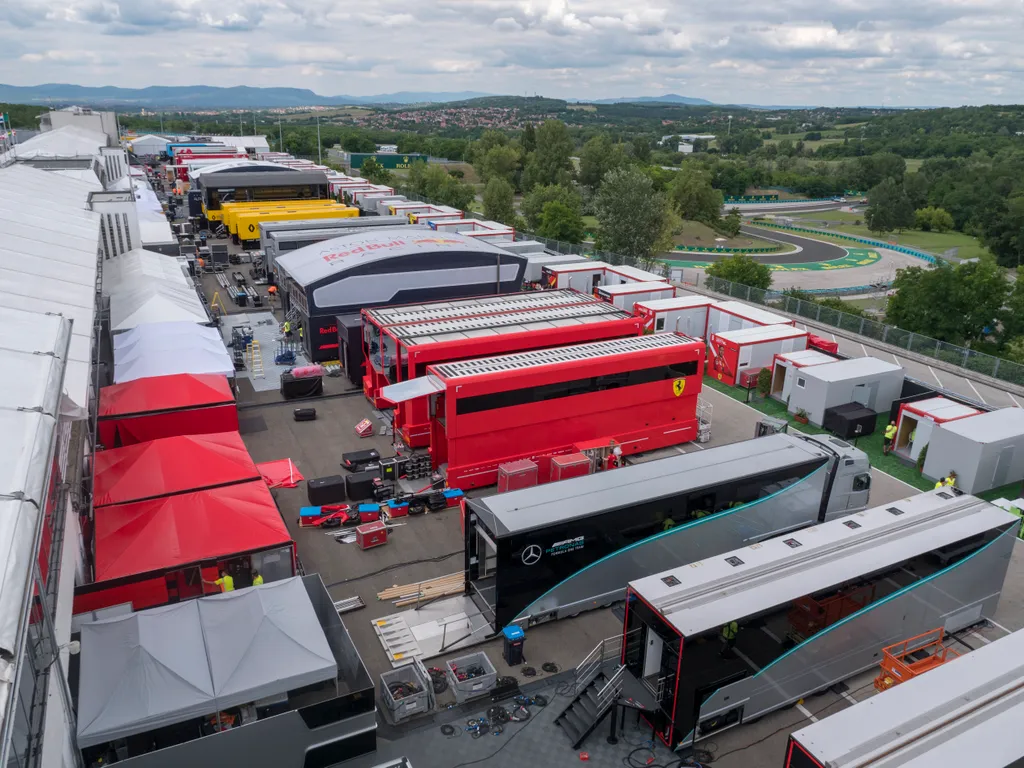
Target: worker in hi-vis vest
(256, 578)
(728, 634)
(287, 329)
(948, 481)
(888, 436)
(225, 582)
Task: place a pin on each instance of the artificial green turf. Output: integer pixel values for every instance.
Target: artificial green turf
(871, 445)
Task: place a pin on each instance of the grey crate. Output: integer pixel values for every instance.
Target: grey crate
(474, 686)
(408, 706)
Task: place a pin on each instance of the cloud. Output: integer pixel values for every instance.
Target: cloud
(796, 51)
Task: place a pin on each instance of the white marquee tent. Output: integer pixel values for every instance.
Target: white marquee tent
(166, 665)
(162, 349)
(33, 357)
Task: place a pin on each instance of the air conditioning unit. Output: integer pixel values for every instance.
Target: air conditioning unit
(770, 426)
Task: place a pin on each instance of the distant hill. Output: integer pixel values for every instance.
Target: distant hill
(668, 98)
(206, 97)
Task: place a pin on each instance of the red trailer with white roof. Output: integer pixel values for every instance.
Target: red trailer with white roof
(638, 393)
(683, 314)
(736, 315)
(786, 365)
(626, 295)
(734, 356)
(917, 421)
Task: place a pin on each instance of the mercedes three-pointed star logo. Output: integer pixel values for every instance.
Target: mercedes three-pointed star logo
(532, 554)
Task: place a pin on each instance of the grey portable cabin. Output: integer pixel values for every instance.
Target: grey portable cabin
(537, 260)
(986, 451)
(590, 535)
(267, 227)
(869, 381)
(965, 712)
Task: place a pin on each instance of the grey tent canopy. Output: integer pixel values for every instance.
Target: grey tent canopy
(165, 665)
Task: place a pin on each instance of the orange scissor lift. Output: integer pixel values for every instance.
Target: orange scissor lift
(898, 664)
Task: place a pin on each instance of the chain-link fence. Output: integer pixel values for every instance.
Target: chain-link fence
(978, 362)
(961, 357)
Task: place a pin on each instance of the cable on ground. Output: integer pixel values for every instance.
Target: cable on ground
(379, 571)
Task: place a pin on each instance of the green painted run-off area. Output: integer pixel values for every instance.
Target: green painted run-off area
(855, 257)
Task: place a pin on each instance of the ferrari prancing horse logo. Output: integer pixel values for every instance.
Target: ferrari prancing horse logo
(678, 385)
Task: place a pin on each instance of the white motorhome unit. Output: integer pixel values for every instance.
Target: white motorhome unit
(435, 213)
(733, 354)
(537, 260)
(623, 273)
(485, 230)
(917, 420)
(409, 207)
(964, 712)
(583, 277)
(683, 314)
(735, 315)
(787, 365)
(372, 189)
(986, 451)
(626, 295)
(869, 381)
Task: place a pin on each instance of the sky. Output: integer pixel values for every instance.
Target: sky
(827, 52)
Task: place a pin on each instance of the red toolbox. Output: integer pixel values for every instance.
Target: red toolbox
(371, 535)
(514, 475)
(569, 465)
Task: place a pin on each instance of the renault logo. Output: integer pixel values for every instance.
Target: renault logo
(531, 554)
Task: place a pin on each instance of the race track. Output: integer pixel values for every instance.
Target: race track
(810, 250)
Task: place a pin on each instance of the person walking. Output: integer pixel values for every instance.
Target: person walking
(288, 329)
(888, 436)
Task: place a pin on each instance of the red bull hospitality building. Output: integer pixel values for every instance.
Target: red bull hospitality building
(388, 265)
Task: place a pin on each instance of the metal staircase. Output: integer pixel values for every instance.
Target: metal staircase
(597, 687)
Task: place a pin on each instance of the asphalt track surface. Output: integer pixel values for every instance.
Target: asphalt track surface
(812, 250)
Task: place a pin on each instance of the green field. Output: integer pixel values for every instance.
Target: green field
(871, 445)
(933, 242)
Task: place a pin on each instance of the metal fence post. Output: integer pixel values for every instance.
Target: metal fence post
(885, 332)
(817, 316)
(936, 355)
(861, 331)
(995, 369)
(964, 363)
(910, 341)
(748, 293)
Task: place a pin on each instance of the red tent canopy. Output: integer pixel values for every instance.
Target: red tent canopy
(164, 393)
(167, 533)
(165, 406)
(169, 466)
